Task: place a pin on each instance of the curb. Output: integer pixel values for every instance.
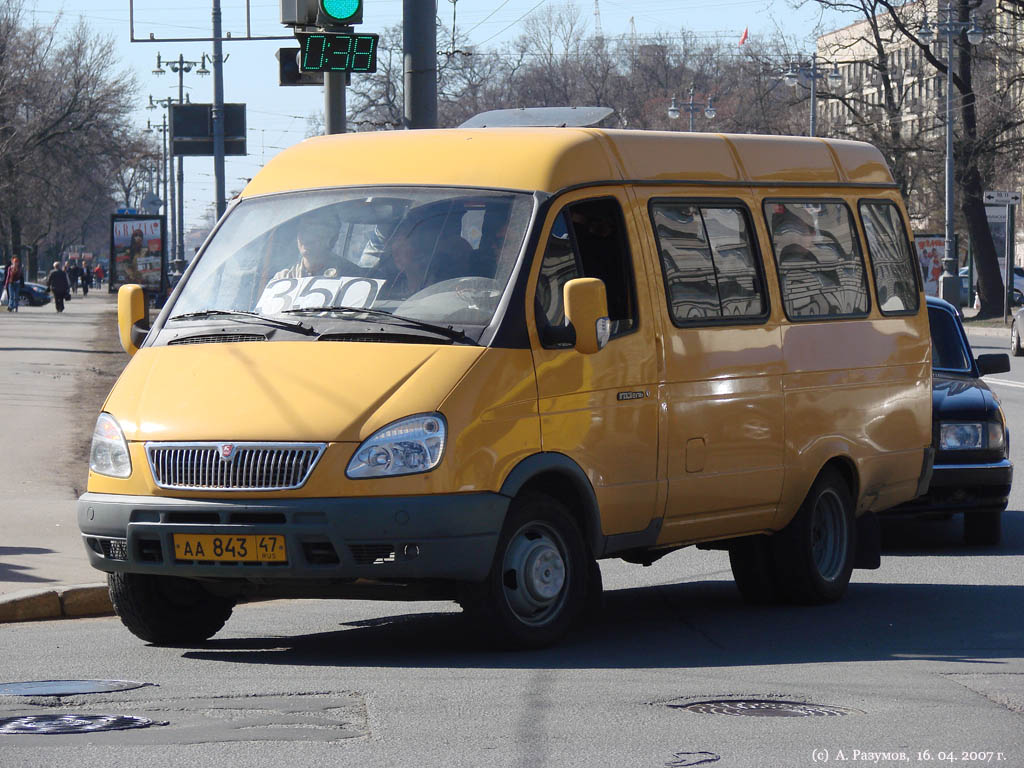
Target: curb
(70, 602)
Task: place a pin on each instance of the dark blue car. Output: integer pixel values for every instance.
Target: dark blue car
(973, 471)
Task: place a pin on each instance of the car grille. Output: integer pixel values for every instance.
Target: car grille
(249, 466)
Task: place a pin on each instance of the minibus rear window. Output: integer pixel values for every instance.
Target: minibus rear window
(821, 271)
(894, 266)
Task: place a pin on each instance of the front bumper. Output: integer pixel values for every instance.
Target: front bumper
(450, 537)
(961, 488)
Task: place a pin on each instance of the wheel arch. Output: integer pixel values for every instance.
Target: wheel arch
(560, 477)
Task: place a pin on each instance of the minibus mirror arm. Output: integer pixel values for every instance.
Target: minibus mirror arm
(586, 307)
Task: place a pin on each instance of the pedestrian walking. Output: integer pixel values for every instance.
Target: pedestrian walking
(14, 279)
(57, 282)
(74, 272)
(99, 275)
(86, 279)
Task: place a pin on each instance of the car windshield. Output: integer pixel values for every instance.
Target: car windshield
(435, 255)
(948, 351)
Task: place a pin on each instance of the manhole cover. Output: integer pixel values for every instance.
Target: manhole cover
(67, 687)
(762, 708)
(55, 724)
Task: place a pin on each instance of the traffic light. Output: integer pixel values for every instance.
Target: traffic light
(341, 12)
(289, 72)
(325, 14)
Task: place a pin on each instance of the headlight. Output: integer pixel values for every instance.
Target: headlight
(404, 447)
(109, 455)
(961, 437)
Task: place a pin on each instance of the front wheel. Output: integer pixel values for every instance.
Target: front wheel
(814, 553)
(1015, 346)
(165, 610)
(537, 587)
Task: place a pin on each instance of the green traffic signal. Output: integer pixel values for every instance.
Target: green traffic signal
(343, 11)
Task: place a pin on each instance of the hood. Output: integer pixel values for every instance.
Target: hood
(281, 391)
(961, 397)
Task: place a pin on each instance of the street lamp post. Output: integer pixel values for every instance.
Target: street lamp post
(161, 171)
(949, 282)
(180, 67)
(691, 106)
(811, 72)
(169, 176)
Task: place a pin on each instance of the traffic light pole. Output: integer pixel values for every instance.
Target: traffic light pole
(334, 102)
(419, 46)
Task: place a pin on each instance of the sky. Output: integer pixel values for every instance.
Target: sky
(277, 116)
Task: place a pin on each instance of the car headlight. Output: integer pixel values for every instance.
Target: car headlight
(405, 447)
(972, 436)
(109, 454)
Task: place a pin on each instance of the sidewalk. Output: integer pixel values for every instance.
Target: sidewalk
(55, 372)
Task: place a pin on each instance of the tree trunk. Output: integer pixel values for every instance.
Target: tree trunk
(990, 282)
(986, 261)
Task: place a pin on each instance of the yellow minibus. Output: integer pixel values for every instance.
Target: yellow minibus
(469, 364)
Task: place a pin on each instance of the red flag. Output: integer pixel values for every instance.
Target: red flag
(743, 37)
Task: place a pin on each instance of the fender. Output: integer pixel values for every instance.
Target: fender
(558, 463)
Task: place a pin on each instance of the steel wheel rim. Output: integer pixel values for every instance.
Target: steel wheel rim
(535, 575)
(829, 535)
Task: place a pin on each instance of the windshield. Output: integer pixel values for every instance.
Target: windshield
(441, 256)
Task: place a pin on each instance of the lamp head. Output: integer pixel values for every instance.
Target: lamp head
(673, 109)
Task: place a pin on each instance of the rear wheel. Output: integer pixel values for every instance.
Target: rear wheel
(814, 553)
(1015, 347)
(983, 527)
(165, 610)
(538, 583)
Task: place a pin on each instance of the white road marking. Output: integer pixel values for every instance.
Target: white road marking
(1005, 382)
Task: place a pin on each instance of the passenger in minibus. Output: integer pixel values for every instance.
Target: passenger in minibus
(315, 237)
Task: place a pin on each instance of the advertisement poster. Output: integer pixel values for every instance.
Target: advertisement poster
(930, 249)
(137, 251)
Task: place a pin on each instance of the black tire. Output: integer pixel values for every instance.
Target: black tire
(538, 584)
(814, 553)
(753, 569)
(983, 527)
(165, 610)
(1015, 347)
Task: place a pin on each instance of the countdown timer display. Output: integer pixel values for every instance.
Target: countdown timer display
(337, 52)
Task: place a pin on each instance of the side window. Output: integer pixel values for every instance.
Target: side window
(588, 239)
(893, 264)
(821, 271)
(710, 267)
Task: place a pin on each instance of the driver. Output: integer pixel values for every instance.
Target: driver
(420, 256)
(315, 238)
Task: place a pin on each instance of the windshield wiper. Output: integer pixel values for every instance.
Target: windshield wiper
(291, 325)
(455, 334)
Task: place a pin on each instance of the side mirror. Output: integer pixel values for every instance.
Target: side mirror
(132, 317)
(994, 363)
(586, 307)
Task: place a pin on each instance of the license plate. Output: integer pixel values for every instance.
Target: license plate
(247, 548)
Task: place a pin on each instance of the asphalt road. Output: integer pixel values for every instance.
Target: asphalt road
(922, 660)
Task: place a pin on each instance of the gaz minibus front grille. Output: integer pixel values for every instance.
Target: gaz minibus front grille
(232, 466)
